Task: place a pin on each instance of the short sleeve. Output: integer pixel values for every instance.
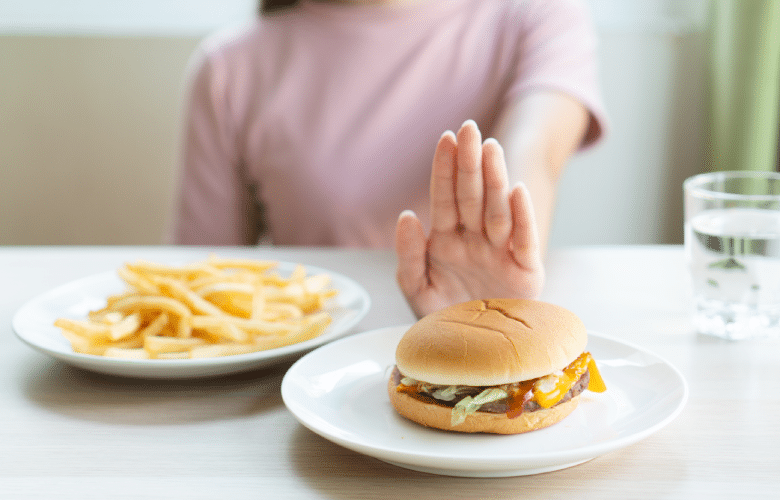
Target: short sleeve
(558, 50)
(215, 202)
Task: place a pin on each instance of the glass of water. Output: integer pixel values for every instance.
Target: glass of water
(732, 244)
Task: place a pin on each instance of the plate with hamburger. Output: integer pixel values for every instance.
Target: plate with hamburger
(486, 388)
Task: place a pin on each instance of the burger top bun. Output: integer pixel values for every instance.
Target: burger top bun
(491, 342)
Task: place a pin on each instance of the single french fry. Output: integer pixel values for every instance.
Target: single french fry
(219, 331)
(155, 345)
(118, 352)
(82, 344)
(234, 304)
(217, 350)
(124, 328)
(224, 287)
(226, 278)
(322, 318)
(316, 283)
(315, 325)
(257, 266)
(258, 303)
(281, 311)
(156, 326)
(188, 270)
(133, 342)
(113, 299)
(210, 336)
(232, 332)
(98, 345)
(306, 331)
(254, 326)
(265, 343)
(106, 317)
(150, 302)
(136, 280)
(174, 355)
(86, 329)
(297, 275)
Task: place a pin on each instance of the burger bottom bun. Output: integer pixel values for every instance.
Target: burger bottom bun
(439, 417)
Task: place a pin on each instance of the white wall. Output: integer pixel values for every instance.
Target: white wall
(653, 58)
(89, 104)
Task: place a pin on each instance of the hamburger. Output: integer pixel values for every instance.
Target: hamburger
(502, 366)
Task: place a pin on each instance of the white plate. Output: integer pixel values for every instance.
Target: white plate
(33, 324)
(339, 392)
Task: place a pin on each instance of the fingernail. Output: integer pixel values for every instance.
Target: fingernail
(491, 140)
(407, 213)
(469, 121)
(446, 133)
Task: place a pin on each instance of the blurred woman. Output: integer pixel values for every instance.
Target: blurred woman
(321, 121)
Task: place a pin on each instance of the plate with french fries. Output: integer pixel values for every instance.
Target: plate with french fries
(211, 317)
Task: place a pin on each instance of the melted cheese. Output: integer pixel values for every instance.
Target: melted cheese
(550, 389)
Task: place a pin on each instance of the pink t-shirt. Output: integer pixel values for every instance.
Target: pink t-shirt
(329, 114)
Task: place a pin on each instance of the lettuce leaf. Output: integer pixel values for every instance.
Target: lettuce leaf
(469, 405)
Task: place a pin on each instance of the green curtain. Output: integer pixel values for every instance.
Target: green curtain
(744, 85)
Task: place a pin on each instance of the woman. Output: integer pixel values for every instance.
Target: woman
(317, 124)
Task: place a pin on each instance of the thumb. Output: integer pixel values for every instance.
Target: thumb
(411, 249)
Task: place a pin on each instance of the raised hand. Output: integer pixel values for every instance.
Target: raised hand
(483, 242)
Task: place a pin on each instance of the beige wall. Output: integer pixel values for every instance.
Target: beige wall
(89, 126)
(88, 137)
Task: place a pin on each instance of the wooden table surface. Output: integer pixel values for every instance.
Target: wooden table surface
(69, 433)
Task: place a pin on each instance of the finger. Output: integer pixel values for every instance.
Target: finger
(498, 213)
(444, 211)
(468, 177)
(525, 233)
(410, 247)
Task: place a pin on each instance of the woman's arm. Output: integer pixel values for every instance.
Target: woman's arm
(215, 204)
(539, 132)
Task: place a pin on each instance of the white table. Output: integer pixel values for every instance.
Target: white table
(68, 433)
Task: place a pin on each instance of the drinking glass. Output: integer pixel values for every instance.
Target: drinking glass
(732, 245)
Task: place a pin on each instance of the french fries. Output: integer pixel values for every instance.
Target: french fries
(215, 307)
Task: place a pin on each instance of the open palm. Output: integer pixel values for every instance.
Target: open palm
(483, 241)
